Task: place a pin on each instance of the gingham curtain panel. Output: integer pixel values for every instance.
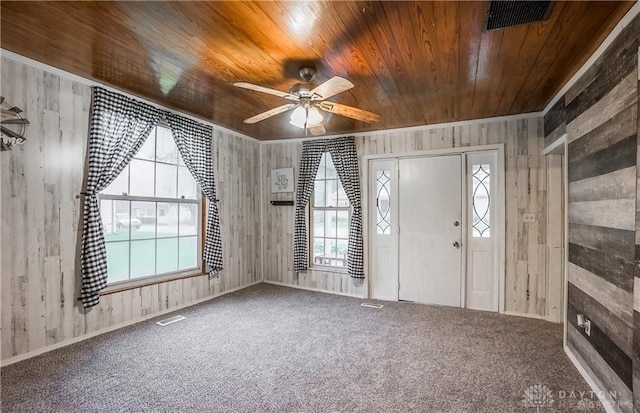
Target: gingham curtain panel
(309, 162)
(345, 159)
(194, 144)
(118, 129)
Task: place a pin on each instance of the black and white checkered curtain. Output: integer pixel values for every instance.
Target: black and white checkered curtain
(309, 162)
(194, 143)
(119, 127)
(345, 160)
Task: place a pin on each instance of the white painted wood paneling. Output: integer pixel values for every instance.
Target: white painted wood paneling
(41, 217)
(525, 191)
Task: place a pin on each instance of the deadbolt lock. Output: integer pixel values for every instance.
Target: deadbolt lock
(456, 223)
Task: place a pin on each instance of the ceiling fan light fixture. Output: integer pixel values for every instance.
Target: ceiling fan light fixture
(299, 116)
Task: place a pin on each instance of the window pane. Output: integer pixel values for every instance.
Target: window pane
(143, 220)
(343, 201)
(318, 223)
(143, 258)
(330, 223)
(320, 174)
(187, 187)
(341, 252)
(120, 185)
(107, 213)
(188, 252)
(166, 149)
(167, 219)
(166, 181)
(167, 255)
(331, 248)
(319, 194)
(332, 193)
(383, 210)
(180, 160)
(343, 224)
(141, 178)
(318, 250)
(188, 219)
(481, 201)
(115, 219)
(117, 261)
(148, 150)
(330, 170)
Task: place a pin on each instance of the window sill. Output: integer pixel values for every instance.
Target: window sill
(152, 280)
(324, 268)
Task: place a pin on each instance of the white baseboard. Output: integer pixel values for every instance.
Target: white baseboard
(517, 314)
(608, 403)
(25, 356)
(300, 287)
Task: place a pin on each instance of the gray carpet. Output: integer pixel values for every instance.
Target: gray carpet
(277, 349)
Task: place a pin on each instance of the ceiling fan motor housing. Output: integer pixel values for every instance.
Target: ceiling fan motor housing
(302, 89)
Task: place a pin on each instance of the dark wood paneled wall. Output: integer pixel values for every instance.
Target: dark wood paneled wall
(599, 114)
(555, 122)
(636, 300)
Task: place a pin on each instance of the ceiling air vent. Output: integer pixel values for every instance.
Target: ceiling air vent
(501, 14)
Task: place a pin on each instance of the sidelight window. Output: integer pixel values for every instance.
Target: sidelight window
(481, 179)
(383, 202)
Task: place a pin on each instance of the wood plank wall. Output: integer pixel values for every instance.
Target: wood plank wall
(636, 283)
(600, 116)
(525, 290)
(40, 218)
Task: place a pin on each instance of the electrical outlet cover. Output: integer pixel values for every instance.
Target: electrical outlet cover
(529, 217)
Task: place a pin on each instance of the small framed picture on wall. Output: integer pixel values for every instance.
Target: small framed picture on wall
(281, 180)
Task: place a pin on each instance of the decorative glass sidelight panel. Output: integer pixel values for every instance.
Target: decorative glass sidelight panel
(383, 193)
(481, 178)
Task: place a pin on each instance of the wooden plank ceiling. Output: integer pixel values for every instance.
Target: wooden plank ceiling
(414, 63)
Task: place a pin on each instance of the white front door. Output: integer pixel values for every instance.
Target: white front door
(482, 231)
(430, 230)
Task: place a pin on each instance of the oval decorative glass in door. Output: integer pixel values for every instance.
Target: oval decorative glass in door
(383, 206)
(481, 178)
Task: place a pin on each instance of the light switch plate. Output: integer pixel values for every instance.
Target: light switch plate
(529, 217)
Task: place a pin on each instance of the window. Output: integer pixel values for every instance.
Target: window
(330, 215)
(481, 178)
(151, 214)
(383, 204)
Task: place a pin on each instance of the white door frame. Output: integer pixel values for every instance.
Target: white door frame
(501, 207)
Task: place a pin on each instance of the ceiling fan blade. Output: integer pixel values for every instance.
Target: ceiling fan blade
(262, 89)
(349, 112)
(317, 129)
(330, 88)
(269, 113)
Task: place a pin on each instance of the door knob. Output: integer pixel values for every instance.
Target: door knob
(456, 244)
(456, 223)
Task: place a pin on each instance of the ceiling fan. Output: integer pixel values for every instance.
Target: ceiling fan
(309, 100)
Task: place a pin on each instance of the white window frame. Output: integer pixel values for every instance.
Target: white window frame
(134, 281)
(311, 209)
